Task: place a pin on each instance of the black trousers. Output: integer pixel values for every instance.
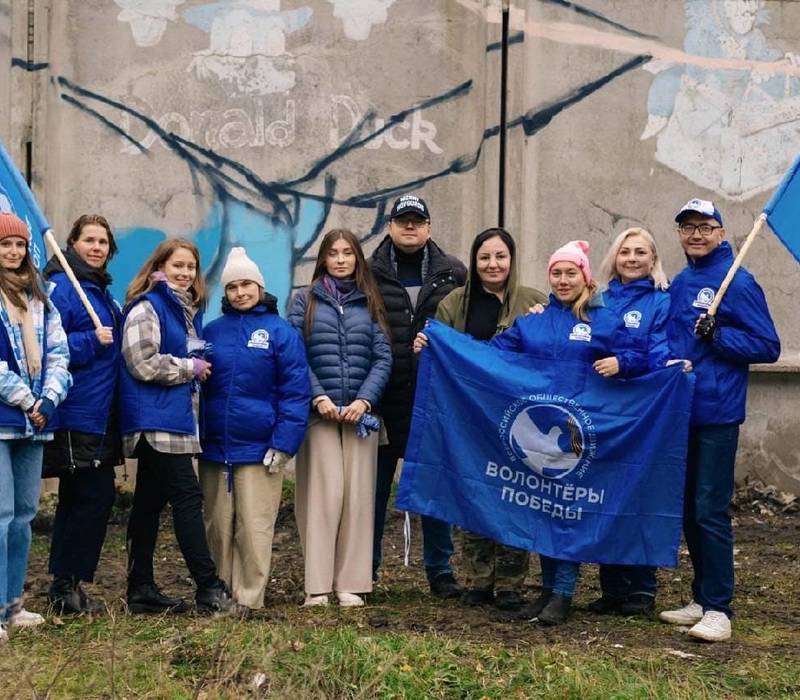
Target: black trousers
(85, 499)
(163, 478)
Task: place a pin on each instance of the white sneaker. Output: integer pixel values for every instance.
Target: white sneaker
(3, 634)
(349, 600)
(315, 601)
(714, 627)
(687, 615)
(25, 618)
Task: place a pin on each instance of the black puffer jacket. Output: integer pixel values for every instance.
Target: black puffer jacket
(444, 273)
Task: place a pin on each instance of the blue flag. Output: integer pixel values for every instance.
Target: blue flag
(783, 210)
(16, 196)
(548, 457)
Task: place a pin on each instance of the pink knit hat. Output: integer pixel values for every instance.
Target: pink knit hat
(576, 252)
(12, 225)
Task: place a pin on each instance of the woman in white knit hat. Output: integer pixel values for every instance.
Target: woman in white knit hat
(255, 409)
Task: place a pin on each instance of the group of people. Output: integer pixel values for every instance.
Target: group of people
(333, 385)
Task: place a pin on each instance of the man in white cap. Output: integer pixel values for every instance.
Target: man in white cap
(721, 347)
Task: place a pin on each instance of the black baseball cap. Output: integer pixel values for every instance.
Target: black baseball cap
(410, 204)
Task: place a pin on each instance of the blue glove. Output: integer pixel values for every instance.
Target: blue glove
(366, 425)
(47, 408)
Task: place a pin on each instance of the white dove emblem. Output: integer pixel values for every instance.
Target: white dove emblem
(541, 450)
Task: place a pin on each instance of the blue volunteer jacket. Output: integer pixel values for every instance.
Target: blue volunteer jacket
(644, 311)
(557, 334)
(94, 367)
(13, 416)
(745, 334)
(348, 355)
(152, 406)
(258, 394)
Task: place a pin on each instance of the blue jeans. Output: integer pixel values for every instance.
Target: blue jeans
(618, 581)
(437, 540)
(706, 521)
(559, 575)
(20, 481)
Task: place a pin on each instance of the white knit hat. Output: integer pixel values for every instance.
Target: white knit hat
(239, 267)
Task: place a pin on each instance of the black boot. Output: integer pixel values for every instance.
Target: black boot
(147, 598)
(508, 600)
(89, 606)
(477, 596)
(218, 600)
(538, 605)
(556, 611)
(638, 604)
(605, 605)
(445, 586)
(64, 596)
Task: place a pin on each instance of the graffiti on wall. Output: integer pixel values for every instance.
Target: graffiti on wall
(148, 18)
(359, 16)
(730, 131)
(247, 44)
(279, 221)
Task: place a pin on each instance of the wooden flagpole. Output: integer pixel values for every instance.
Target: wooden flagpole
(50, 239)
(757, 226)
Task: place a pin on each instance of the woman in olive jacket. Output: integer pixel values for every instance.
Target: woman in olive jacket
(487, 305)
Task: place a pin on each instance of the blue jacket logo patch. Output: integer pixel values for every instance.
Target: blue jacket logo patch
(259, 339)
(581, 331)
(633, 319)
(705, 297)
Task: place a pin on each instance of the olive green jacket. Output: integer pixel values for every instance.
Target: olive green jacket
(452, 310)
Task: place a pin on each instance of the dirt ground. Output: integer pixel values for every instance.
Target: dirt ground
(767, 603)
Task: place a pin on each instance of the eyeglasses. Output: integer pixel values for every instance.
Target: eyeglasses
(404, 222)
(705, 230)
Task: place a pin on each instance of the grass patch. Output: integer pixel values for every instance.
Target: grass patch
(191, 657)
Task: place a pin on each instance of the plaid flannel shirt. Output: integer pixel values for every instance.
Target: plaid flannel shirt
(141, 341)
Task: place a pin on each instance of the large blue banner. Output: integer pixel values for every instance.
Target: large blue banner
(548, 457)
(16, 196)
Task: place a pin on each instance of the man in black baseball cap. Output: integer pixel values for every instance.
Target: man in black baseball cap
(413, 275)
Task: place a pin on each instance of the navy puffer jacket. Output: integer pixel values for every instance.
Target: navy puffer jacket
(348, 354)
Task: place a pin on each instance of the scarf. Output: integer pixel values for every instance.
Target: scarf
(186, 298)
(19, 314)
(337, 288)
(83, 270)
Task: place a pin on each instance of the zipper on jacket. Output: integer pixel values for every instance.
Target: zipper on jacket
(340, 307)
(440, 278)
(230, 386)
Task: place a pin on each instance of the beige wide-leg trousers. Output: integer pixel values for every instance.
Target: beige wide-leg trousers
(334, 507)
(240, 525)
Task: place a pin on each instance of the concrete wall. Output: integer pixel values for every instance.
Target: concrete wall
(233, 123)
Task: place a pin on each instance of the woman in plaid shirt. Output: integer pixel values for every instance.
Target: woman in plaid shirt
(159, 386)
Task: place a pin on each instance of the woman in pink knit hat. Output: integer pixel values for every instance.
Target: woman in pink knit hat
(574, 326)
